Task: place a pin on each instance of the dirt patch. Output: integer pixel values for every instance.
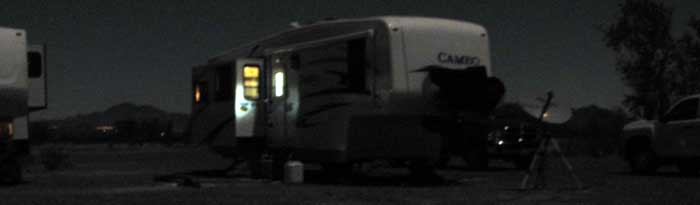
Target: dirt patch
(127, 177)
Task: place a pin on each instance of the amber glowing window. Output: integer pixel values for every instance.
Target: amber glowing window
(200, 92)
(251, 79)
(197, 94)
(10, 129)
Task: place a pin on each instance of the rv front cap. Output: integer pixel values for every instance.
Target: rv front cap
(458, 59)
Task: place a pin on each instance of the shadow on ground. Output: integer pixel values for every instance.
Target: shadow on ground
(10, 185)
(384, 177)
(666, 174)
(371, 175)
(491, 169)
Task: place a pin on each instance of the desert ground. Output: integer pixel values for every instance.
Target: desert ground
(127, 175)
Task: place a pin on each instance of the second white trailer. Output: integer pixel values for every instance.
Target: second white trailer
(22, 90)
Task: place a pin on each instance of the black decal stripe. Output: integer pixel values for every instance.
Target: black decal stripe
(324, 108)
(342, 75)
(210, 137)
(334, 91)
(303, 123)
(327, 60)
(440, 68)
(193, 116)
(303, 120)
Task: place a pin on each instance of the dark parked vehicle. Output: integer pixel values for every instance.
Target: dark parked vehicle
(513, 142)
(671, 140)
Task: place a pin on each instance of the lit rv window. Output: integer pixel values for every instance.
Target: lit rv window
(200, 92)
(251, 77)
(197, 94)
(279, 84)
(10, 129)
(35, 64)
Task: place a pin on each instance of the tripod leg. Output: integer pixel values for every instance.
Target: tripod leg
(541, 180)
(534, 164)
(567, 164)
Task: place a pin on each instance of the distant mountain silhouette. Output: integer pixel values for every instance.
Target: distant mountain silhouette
(128, 111)
(124, 112)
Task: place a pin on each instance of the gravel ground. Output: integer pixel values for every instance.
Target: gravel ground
(126, 176)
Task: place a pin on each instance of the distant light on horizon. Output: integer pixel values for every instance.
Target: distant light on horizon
(104, 128)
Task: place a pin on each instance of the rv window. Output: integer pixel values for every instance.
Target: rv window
(197, 94)
(278, 83)
(35, 65)
(224, 85)
(356, 64)
(334, 68)
(200, 92)
(251, 82)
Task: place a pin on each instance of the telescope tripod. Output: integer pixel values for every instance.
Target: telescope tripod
(539, 161)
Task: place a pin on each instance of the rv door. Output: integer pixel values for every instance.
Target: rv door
(36, 57)
(249, 73)
(277, 101)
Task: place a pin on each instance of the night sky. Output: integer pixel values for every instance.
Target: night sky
(106, 52)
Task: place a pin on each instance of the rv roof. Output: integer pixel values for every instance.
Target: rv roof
(3, 27)
(405, 21)
(390, 21)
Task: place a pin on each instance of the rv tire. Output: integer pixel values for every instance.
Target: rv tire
(421, 171)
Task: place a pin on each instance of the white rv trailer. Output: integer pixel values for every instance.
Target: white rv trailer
(22, 90)
(347, 90)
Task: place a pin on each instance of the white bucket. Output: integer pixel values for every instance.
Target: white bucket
(293, 172)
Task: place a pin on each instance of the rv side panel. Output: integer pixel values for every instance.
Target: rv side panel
(13, 73)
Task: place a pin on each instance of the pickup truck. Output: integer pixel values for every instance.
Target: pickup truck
(674, 139)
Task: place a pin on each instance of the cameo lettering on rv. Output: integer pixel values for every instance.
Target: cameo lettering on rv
(458, 59)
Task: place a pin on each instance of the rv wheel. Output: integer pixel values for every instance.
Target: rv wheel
(423, 172)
